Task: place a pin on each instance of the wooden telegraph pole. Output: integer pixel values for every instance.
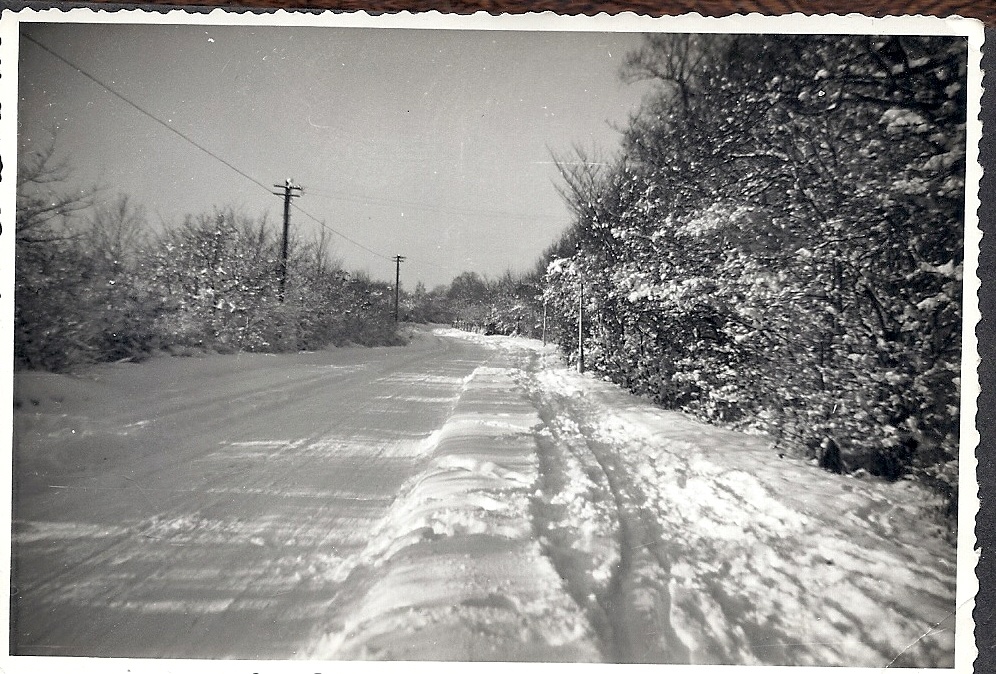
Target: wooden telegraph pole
(544, 322)
(287, 193)
(398, 259)
(580, 325)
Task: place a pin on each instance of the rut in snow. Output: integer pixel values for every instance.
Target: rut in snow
(611, 557)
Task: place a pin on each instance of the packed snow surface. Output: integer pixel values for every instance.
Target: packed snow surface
(466, 498)
(685, 542)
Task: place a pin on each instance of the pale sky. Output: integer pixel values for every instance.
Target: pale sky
(430, 144)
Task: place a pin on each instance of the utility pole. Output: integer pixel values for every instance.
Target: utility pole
(544, 322)
(397, 283)
(580, 324)
(287, 193)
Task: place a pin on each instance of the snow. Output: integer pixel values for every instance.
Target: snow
(897, 118)
(763, 560)
(455, 553)
(543, 515)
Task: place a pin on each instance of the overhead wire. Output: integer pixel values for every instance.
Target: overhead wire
(240, 172)
(322, 224)
(387, 201)
(190, 140)
(143, 110)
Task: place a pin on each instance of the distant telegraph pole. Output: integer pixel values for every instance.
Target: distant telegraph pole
(287, 193)
(544, 321)
(580, 327)
(398, 259)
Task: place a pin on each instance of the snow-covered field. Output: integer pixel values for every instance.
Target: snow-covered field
(474, 501)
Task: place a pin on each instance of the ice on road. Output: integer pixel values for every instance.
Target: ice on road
(463, 498)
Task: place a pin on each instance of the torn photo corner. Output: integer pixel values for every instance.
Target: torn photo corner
(339, 341)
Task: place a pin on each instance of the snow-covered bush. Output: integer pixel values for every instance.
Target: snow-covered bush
(92, 285)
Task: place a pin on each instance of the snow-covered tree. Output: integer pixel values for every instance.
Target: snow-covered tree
(779, 242)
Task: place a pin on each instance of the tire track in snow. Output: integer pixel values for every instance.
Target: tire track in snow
(772, 562)
(629, 612)
(583, 560)
(638, 601)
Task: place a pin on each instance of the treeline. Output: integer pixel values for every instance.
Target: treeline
(779, 244)
(508, 305)
(93, 284)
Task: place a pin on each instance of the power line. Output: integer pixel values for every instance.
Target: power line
(386, 201)
(190, 140)
(335, 231)
(145, 112)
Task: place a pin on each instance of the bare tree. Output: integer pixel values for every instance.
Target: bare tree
(44, 202)
(676, 62)
(115, 232)
(582, 174)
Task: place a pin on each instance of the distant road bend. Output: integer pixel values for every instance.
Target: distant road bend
(462, 498)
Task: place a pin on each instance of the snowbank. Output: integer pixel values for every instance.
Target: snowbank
(453, 571)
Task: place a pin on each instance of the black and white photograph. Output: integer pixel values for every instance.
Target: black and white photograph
(341, 338)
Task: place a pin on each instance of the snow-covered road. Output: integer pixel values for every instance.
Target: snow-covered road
(463, 498)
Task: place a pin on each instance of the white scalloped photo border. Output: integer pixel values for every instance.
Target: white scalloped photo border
(967, 582)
